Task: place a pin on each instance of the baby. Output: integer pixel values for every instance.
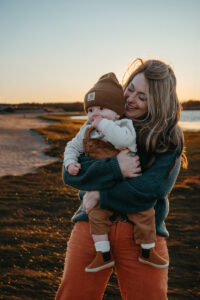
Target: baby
(105, 136)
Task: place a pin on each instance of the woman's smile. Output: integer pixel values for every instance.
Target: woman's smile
(136, 97)
(130, 107)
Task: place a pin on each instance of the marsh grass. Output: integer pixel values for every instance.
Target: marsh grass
(36, 211)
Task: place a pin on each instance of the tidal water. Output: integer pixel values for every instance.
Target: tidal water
(190, 120)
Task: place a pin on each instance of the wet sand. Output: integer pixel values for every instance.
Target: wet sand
(35, 225)
(22, 149)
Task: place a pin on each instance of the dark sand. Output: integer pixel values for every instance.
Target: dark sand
(35, 225)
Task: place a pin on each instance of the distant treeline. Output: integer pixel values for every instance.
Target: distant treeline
(78, 106)
(191, 105)
(75, 106)
(68, 107)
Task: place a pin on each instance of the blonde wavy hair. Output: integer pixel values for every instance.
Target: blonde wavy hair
(158, 131)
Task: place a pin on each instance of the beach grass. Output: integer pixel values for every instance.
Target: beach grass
(36, 211)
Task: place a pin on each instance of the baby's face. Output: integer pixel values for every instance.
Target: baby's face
(99, 111)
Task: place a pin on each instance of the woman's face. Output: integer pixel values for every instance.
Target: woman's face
(136, 97)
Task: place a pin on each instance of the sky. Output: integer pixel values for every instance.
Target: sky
(55, 50)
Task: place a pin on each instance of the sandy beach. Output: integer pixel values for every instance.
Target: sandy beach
(36, 211)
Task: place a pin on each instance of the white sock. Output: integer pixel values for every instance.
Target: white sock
(148, 246)
(103, 246)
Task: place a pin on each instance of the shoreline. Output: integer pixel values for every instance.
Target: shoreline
(36, 211)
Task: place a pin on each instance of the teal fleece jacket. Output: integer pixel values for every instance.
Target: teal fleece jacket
(128, 195)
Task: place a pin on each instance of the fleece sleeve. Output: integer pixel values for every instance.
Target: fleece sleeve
(121, 133)
(74, 148)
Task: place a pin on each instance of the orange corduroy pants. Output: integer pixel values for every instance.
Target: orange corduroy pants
(137, 281)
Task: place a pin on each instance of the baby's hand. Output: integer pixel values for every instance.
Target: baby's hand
(74, 168)
(96, 121)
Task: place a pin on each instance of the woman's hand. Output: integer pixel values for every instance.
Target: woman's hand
(90, 200)
(130, 166)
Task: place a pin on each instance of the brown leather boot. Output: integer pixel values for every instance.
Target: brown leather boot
(102, 261)
(152, 258)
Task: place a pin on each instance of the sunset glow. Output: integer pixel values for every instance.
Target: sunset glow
(55, 50)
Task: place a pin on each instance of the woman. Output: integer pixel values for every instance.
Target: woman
(152, 104)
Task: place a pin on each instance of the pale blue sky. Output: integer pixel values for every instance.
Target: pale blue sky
(55, 50)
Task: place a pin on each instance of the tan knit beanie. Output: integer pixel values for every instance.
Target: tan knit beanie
(108, 93)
